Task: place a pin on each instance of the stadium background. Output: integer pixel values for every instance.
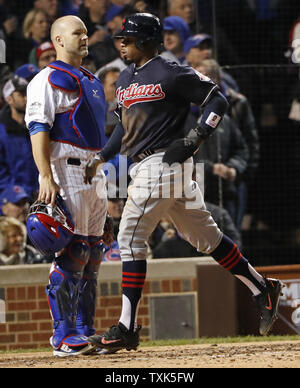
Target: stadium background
(253, 45)
(252, 42)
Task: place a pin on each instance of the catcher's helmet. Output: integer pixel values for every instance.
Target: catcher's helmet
(145, 27)
(50, 229)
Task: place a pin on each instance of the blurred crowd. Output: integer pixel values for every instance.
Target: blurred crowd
(195, 34)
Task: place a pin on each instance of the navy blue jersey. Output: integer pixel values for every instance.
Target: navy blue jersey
(153, 103)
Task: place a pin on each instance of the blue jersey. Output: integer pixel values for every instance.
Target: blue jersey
(154, 101)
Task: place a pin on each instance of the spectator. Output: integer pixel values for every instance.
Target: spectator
(294, 44)
(16, 46)
(164, 225)
(241, 113)
(92, 13)
(117, 62)
(224, 222)
(293, 160)
(113, 19)
(176, 32)
(199, 47)
(101, 44)
(89, 63)
(167, 243)
(14, 202)
(36, 27)
(51, 7)
(184, 9)
(121, 3)
(5, 75)
(225, 155)
(108, 78)
(27, 71)
(70, 7)
(43, 55)
(172, 245)
(17, 166)
(141, 6)
(115, 209)
(13, 247)
(294, 41)
(8, 22)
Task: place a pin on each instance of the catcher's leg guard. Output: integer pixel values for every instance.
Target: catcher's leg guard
(88, 289)
(63, 293)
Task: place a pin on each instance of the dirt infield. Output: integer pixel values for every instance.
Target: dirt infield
(283, 354)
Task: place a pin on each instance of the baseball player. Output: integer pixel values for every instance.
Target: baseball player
(154, 97)
(65, 115)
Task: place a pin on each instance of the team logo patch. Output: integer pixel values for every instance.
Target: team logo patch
(136, 94)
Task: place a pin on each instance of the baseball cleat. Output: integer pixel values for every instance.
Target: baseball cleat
(116, 338)
(69, 351)
(267, 303)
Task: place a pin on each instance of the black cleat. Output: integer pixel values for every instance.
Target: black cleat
(267, 303)
(116, 338)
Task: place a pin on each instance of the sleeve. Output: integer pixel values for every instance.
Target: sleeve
(41, 101)
(35, 127)
(113, 146)
(194, 86)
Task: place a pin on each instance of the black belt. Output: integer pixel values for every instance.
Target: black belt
(74, 161)
(138, 158)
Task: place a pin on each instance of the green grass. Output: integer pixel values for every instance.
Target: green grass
(194, 341)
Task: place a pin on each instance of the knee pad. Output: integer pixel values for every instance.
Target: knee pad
(63, 297)
(76, 255)
(96, 256)
(88, 288)
(86, 307)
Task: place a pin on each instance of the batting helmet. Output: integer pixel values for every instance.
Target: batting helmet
(145, 27)
(50, 229)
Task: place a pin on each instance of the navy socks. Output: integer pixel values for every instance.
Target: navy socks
(228, 255)
(133, 279)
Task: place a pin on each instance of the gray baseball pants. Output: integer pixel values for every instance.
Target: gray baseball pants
(158, 191)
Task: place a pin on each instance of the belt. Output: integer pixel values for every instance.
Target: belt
(74, 161)
(138, 158)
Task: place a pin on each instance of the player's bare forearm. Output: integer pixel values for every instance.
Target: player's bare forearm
(41, 153)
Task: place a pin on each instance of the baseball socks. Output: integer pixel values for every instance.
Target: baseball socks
(133, 279)
(228, 255)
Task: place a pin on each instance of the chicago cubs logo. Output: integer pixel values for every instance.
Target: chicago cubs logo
(136, 94)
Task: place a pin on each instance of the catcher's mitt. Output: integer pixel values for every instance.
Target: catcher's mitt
(108, 233)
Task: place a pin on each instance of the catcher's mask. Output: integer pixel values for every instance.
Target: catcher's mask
(145, 27)
(50, 229)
